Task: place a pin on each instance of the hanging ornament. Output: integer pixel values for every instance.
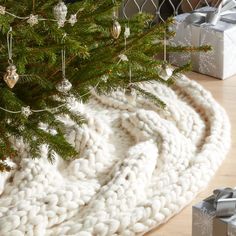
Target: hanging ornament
(165, 72)
(73, 19)
(60, 13)
(33, 20)
(2, 10)
(116, 29)
(64, 86)
(10, 77)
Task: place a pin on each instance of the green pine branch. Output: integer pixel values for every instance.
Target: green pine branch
(91, 55)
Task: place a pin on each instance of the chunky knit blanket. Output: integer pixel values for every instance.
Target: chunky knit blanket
(139, 165)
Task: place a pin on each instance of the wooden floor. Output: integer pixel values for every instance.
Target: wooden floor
(225, 93)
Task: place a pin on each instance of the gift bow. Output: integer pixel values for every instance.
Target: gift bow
(225, 202)
(211, 17)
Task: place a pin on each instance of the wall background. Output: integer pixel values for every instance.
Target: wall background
(163, 8)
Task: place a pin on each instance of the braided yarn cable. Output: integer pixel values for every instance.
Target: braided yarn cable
(138, 166)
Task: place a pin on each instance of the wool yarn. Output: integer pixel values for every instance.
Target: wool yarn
(139, 165)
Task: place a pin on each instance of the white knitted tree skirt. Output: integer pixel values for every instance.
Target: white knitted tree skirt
(139, 166)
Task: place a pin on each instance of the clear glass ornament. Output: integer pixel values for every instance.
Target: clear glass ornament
(165, 72)
(64, 86)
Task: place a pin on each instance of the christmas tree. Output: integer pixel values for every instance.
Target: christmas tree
(52, 52)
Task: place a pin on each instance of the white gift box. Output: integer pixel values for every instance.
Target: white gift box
(220, 62)
(205, 222)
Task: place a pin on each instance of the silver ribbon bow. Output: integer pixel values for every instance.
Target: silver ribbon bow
(224, 201)
(211, 17)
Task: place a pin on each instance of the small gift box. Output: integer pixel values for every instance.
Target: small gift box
(216, 215)
(208, 26)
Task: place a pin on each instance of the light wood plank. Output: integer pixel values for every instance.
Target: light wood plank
(225, 93)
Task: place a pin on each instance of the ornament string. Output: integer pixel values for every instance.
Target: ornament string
(33, 8)
(35, 111)
(114, 16)
(3, 11)
(9, 111)
(9, 45)
(125, 43)
(115, 11)
(126, 35)
(46, 109)
(130, 74)
(18, 17)
(27, 17)
(165, 47)
(63, 58)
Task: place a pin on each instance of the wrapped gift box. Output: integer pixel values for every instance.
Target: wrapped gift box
(205, 221)
(220, 62)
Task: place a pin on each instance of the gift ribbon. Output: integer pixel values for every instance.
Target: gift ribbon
(211, 17)
(225, 202)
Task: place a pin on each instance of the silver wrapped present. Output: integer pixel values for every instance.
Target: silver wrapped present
(194, 29)
(216, 215)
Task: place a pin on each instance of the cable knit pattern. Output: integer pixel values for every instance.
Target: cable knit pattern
(138, 166)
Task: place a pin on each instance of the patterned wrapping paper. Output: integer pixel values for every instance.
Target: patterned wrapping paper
(205, 222)
(220, 61)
